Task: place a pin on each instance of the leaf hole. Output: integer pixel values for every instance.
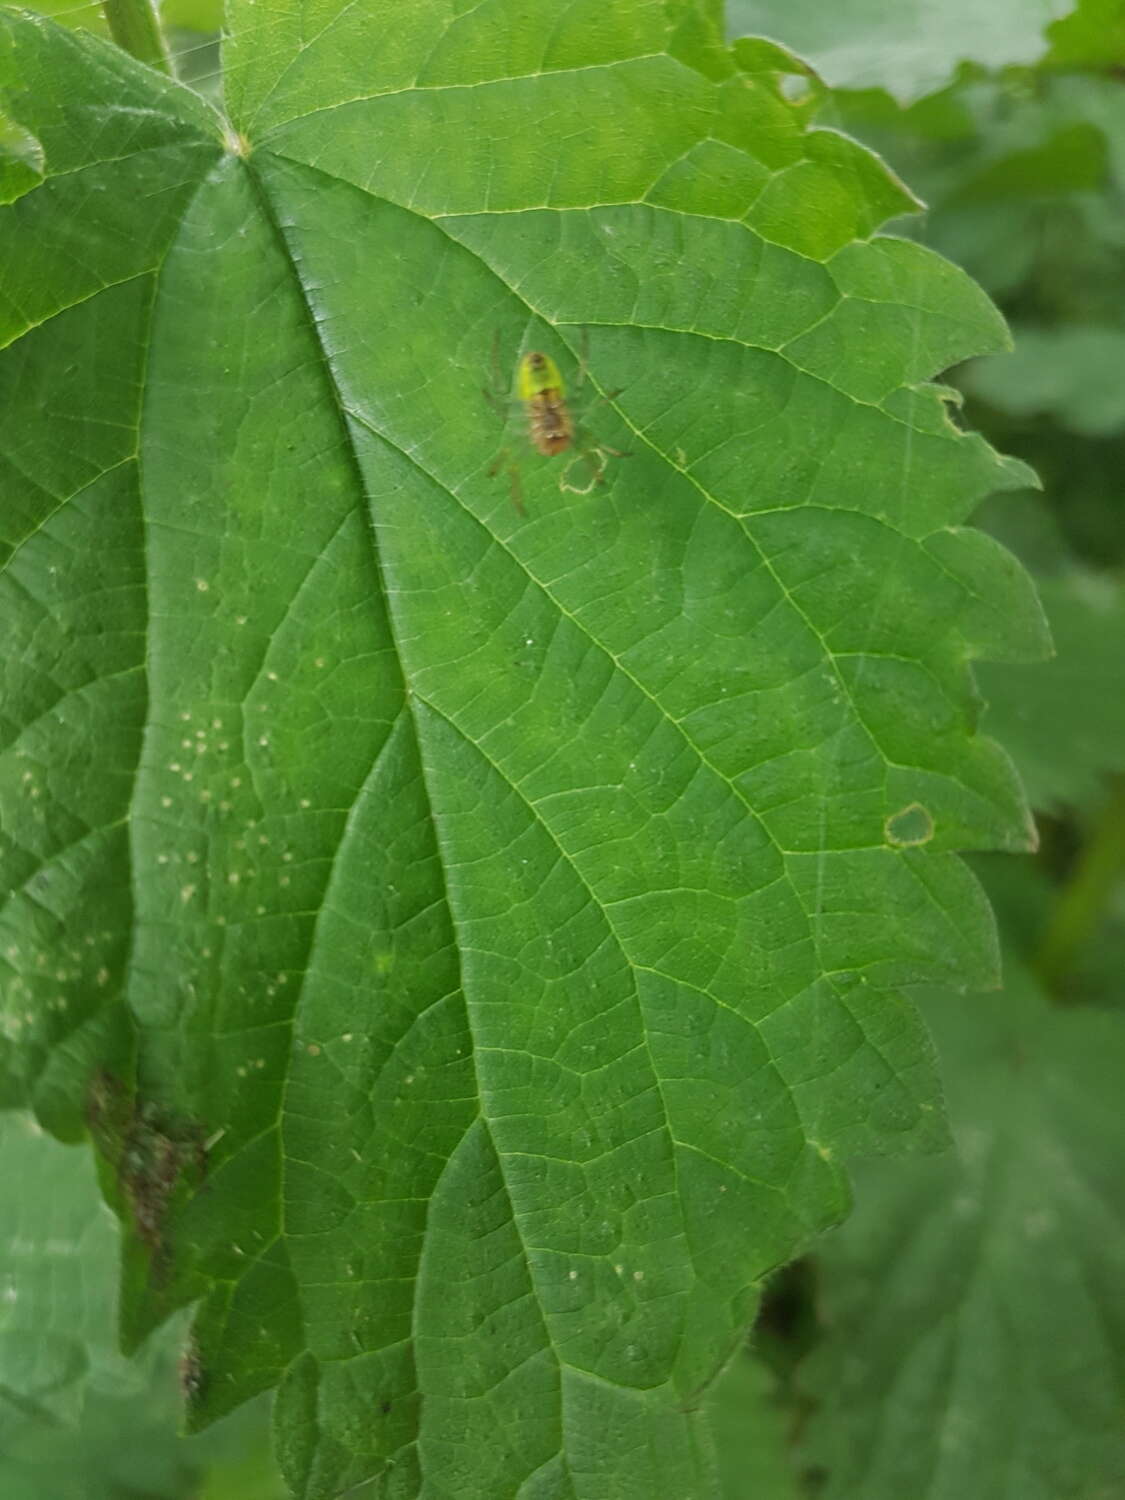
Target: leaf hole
(910, 826)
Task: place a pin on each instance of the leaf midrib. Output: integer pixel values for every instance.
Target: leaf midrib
(408, 696)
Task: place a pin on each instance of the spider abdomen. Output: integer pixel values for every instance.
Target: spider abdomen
(549, 422)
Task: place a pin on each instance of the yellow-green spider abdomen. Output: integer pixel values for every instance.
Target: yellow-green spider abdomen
(540, 387)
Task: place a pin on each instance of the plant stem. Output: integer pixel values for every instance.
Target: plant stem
(1083, 899)
(135, 27)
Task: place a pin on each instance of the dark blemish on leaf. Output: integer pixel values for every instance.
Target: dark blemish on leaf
(384, 1407)
(160, 1159)
(193, 1377)
(106, 1108)
(909, 827)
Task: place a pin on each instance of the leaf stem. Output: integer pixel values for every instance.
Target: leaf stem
(135, 27)
(1083, 899)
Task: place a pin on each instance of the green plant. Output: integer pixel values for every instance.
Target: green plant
(475, 941)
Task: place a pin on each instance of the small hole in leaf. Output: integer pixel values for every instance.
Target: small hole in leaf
(909, 827)
(794, 86)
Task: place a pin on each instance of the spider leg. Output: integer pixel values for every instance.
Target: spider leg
(601, 400)
(497, 373)
(517, 490)
(504, 460)
(586, 442)
(499, 394)
(583, 359)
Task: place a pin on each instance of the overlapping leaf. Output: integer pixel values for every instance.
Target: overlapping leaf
(1065, 722)
(909, 48)
(975, 1303)
(76, 1418)
(472, 937)
(913, 47)
(1068, 373)
(751, 1434)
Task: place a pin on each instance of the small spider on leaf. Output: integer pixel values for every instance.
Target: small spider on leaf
(553, 425)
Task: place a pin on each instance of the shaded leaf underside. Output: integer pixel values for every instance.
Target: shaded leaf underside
(511, 906)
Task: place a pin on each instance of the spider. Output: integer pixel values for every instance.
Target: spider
(552, 424)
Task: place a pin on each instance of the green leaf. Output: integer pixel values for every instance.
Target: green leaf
(135, 25)
(192, 15)
(1095, 885)
(1070, 373)
(184, 15)
(57, 1242)
(910, 48)
(1064, 722)
(77, 1420)
(1092, 35)
(191, 30)
(21, 161)
(750, 1435)
(483, 929)
(89, 15)
(975, 1303)
(1022, 175)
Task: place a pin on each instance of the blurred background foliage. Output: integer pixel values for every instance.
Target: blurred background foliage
(79, 1421)
(191, 30)
(962, 1336)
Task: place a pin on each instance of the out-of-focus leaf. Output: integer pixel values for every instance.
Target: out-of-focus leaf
(187, 15)
(1082, 479)
(1027, 895)
(77, 1420)
(1027, 523)
(1064, 720)
(191, 27)
(910, 47)
(88, 15)
(1093, 976)
(483, 928)
(976, 1304)
(58, 1256)
(1072, 373)
(1024, 178)
(193, 15)
(751, 1436)
(197, 59)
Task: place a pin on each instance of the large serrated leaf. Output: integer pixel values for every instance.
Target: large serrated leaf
(472, 937)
